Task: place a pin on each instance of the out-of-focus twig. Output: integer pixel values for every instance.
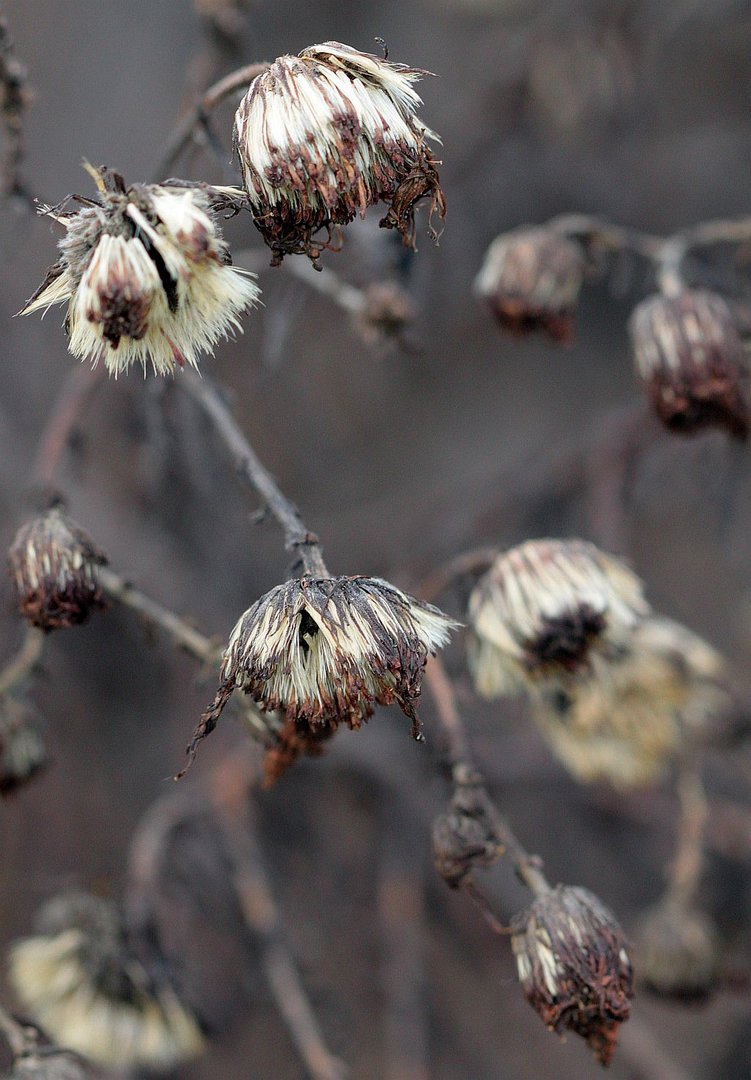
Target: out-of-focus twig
(14, 98)
(76, 390)
(231, 797)
(685, 869)
(476, 561)
(23, 663)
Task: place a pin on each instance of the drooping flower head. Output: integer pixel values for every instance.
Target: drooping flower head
(689, 354)
(80, 979)
(545, 610)
(53, 563)
(325, 651)
(322, 136)
(146, 276)
(573, 966)
(531, 279)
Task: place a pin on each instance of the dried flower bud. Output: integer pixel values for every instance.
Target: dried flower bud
(325, 651)
(544, 609)
(531, 279)
(146, 276)
(388, 311)
(465, 837)
(84, 984)
(322, 136)
(626, 723)
(22, 750)
(678, 952)
(53, 565)
(689, 354)
(573, 966)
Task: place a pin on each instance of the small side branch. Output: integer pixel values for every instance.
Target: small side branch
(21, 666)
(684, 872)
(74, 395)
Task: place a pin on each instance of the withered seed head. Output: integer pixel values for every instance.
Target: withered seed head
(678, 952)
(322, 136)
(146, 275)
(22, 750)
(82, 982)
(689, 355)
(465, 837)
(53, 563)
(573, 966)
(545, 610)
(531, 279)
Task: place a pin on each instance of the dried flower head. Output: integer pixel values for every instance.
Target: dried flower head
(465, 837)
(573, 966)
(22, 750)
(146, 276)
(80, 979)
(531, 279)
(678, 951)
(545, 610)
(628, 722)
(326, 651)
(387, 312)
(689, 354)
(53, 563)
(322, 136)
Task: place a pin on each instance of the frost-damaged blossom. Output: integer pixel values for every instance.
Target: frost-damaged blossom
(678, 951)
(53, 563)
(531, 279)
(689, 355)
(325, 651)
(146, 275)
(547, 610)
(83, 982)
(322, 136)
(573, 966)
(627, 722)
(22, 750)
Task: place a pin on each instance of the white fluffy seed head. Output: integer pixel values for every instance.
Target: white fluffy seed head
(147, 279)
(322, 136)
(545, 610)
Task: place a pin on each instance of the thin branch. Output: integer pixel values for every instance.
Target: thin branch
(297, 537)
(476, 561)
(600, 233)
(76, 390)
(23, 663)
(684, 872)
(230, 794)
(14, 98)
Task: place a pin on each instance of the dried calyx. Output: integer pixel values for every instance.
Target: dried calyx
(81, 978)
(146, 274)
(573, 966)
(325, 651)
(52, 563)
(689, 354)
(322, 136)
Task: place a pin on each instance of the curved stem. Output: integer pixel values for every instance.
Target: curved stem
(686, 867)
(24, 662)
(74, 394)
(297, 537)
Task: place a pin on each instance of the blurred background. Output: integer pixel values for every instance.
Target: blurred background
(399, 458)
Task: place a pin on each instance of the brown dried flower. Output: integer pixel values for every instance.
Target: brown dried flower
(22, 750)
(573, 966)
(322, 136)
(546, 610)
(531, 279)
(689, 354)
(81, 980)
(465, 837)
(53, 565)
(678, 951)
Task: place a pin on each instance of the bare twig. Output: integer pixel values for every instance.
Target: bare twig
(231, 797)
(297, 536)
(14, 98)
(686, 867)
(23, 663)
(76, 390)
(476, 561)
(603, 234)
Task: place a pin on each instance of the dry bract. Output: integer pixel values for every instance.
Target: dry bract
(325, 651)
(53, 563)
(83, 983)
(678, 951)
(146, 276)
(322, 136)
(531, 279)
(546, 610)
(689, 354)
(573, 966)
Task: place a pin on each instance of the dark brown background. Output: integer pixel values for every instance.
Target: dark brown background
(639, 111)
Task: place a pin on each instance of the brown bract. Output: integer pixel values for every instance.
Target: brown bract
(52, 563)
(573, 966)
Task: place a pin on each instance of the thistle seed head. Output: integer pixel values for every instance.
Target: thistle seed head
(678, 952)
(53, 563)
(81, 981)
(146, 276)
(689, 355)
(545, 610)
(22, 750)
(531, 279)
(573, 966)
(322, 136)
